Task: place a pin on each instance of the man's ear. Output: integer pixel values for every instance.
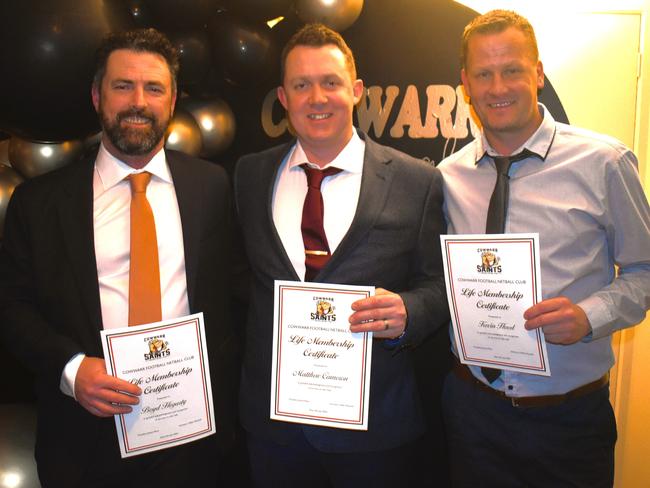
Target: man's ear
(282, 96)
(94, 94)
(357, 90)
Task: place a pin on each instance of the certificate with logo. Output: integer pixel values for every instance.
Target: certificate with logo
(321, 370)
(491, 280)
(168, 361)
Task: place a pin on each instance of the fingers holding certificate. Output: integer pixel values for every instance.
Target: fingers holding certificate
(491, 281)
(321, 370)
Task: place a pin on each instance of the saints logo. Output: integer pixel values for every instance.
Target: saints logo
(158, 348)
(490, 263)
(324, 311)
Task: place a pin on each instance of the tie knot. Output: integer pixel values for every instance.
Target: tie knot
(139, 182)
(315, 176)
(503, 163)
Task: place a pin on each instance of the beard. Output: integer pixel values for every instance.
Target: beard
(134, 141)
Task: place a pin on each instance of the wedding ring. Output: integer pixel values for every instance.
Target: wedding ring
(385, 324)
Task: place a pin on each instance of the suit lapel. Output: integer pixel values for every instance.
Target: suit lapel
(75, 211)
(375, 183)
(191, 213)
(269, 175)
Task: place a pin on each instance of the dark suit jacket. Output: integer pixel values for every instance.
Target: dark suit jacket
(393, 242)
(50, 305)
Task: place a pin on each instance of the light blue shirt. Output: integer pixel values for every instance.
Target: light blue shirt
(583, 196)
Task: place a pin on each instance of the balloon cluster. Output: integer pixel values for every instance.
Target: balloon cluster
(226, 49)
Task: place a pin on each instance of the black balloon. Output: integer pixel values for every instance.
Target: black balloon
(171, 15)
(47, 60)
(134, 13)
(194, 55)
(259, 10)
(243, 50)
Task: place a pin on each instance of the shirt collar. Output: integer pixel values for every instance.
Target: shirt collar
(112, 171)
(539, 143)
(350, 158)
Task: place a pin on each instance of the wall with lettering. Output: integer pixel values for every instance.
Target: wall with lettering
(407, 53)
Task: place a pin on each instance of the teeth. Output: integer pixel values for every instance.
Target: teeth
(319, 116)
(137, 120)
(500, 104)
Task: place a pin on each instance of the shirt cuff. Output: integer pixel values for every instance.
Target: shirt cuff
(599, 315)
(70, 374)
(395, 341)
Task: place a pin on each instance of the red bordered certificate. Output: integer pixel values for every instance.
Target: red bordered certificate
(321, 371)
(168, 361)
(491, 280)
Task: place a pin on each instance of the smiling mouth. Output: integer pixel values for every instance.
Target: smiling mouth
(319, 116)
(136, 120)
(501, 104)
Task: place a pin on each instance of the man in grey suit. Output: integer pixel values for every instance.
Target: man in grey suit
(382, 220)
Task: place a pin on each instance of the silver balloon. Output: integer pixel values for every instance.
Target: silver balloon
(4, 152)
(183, 134)
(216, 123)
(335, 14)
(9, 180)
(35, 158)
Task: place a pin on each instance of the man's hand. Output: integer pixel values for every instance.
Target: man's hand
(562, 321)
(384, 314)
(101, 394)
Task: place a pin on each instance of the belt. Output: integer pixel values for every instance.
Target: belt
(463, 372)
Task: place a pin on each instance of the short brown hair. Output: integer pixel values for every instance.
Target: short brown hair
(139, 40)
(494, 22)
(317, 35)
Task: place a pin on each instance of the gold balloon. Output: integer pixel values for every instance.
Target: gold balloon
(216, 123)
(31, 158)
(183, 134)
(335, 14)
(9, 180)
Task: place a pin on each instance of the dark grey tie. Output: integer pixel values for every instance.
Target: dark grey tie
(496, 216)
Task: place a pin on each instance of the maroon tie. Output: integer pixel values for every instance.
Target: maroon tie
(317, 251)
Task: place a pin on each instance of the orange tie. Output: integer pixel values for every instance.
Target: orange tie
(144, 272)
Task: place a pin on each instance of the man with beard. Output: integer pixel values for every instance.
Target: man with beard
(68, 270)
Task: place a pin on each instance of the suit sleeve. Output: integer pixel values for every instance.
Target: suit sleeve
(23, 327)
(426, 299)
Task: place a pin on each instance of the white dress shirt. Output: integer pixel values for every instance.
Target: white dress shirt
(340, 198)
(111, 223)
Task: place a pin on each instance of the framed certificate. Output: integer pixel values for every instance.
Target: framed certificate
(168, 361)
(321, 370)
(491, 280)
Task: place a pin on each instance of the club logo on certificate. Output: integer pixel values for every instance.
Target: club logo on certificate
(490, 262)
(324, 310)
(157, 347)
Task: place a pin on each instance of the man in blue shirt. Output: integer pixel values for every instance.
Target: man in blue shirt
(581, 192)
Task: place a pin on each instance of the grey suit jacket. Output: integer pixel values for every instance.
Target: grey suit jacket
(393, 243)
